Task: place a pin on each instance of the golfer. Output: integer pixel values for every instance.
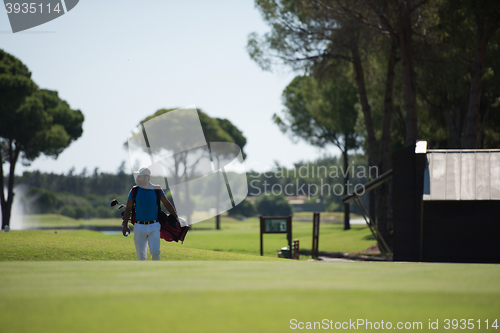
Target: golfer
(147, 226)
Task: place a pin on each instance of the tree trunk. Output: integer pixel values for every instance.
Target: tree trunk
(6, 202)
(383, 198)
(409, 75)
(385, 158)
(365, 106)
(7, 209)
(3, 204)
(473, 116)
(188, 205)
(347, 211)
(454, 141)
(217, 203)
(480, 135)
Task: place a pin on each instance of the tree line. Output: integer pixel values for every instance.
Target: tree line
(87, 195)
(319, 181)
(77, 195)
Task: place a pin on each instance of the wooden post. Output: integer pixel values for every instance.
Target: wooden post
(261, 231)
(314, 251)
(289, 233)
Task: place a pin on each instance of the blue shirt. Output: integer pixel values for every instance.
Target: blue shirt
(146, 208)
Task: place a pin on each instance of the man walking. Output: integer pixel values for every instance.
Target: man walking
(147, 226)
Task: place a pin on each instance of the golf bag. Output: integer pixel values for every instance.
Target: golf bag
(171, 229)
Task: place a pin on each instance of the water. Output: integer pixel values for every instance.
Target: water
(111, 232)
(17, 212)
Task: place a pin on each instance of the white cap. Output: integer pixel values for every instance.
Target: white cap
(143, 171)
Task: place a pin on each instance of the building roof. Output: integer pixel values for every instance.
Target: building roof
(462, 174)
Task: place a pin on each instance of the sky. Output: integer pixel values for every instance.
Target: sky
(121, 61)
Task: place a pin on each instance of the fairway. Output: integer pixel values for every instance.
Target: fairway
(44, 245)
(235, 236)
(87, 281)
(229, 296)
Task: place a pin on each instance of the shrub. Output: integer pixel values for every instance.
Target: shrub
(245, 208)
(273, 205)
(104, 212)
(66, 198)
(118, 213)
(81, 212)
(41, 201)
(68, 211)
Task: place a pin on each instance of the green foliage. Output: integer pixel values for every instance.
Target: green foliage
(273, 205)
(50, 125)
(186, 161)
(215, 129)
(246, 208)
(43, 124)
(86, 208)
(315, 37)
(70, 199)
(446, 61)
(324, 174)
(81, 212)
(15, 86)
(34, 122)
(103, 212)
(97, 187)
(44, 201)
(234, 132)
(295, 39)
(321, 112)
(334, 206)
(39, 200)
(68, 211)
(88, 191)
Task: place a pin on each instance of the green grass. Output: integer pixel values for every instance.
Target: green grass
(235, 237)
(86, 281)
(57, 221)
(45, 245)
(243, 237)
(238, 296)
(49, 221)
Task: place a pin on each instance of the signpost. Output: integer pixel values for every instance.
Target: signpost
(275, 225)
(314, 252)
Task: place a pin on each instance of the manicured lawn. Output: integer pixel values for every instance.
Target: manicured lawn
(239, 296)
(235, 236)
(243, 237)
(28, 245)
(87, 281)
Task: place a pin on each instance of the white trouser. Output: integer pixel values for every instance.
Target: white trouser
(150, 234)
